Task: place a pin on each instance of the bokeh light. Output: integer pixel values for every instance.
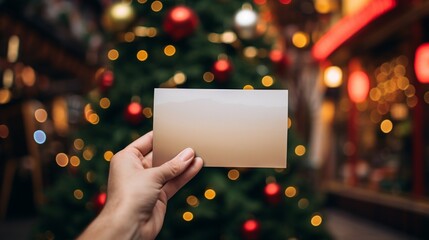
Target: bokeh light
(233, 174)
(188, 216)
(40, 115)
(316, 220)
(210, 194)
(386, 126)
(300, 150)
(62, 159)
(39, 136)
(290, 192)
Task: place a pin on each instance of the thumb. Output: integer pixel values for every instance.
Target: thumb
(175, 166)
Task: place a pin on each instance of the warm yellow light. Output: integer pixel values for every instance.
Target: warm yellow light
(78, 144)
(108, 155)
(142, 55)
(129, 36)
(62, 159)
(141, 1)
(290, 191)
(93, 118)
(303, 203)
(7, 78)
(208, 77)
(233, 174)
(179, 78)
(333, 76)
(40, 115)
(328, 111)
(112, 54)
(104, 103)
(210, 194)
(300, 39)
(192, 201)
(13, 48)
(147, 112)
(151, 32)
(28, 76)
(375, 94)
(267, 81)
(386, 126)
(399, 111)
(228, 37)
(122, 11)
(248, 87)
(323, 6)
(410, 91)
(402, 83)
(87, 154)
(188, 216)
(412, 101)
(169, 50)
(78, 194)
(289, 122)
(299, 150)
(316, 220)
(156, 6)
(250, 52)
(74, 161)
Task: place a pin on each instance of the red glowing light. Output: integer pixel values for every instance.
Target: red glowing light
(134, 108)
(222, 65)
(250, 225)
(276, 56)
(272, 189)
(358, 86)
(421, 63)
(102, 198)
(349, 26)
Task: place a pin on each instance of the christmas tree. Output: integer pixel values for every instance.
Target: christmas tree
(192, 44)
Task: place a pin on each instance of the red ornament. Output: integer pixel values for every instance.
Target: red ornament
(106, 80)
(180, 22)
(421, 63)
(273, 192)
(99, 201)
(134, 113)
(222, 70)
(251, 229)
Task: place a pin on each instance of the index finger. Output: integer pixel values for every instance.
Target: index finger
(144, 143)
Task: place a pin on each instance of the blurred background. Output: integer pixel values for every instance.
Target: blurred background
(76, 86)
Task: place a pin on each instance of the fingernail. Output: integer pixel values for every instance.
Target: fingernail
(187, 154)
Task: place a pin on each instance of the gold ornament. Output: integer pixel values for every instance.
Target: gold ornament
(118, 17)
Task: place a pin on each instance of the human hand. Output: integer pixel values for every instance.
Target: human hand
(137, 193)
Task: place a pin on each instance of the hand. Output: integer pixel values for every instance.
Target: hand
(137, 193)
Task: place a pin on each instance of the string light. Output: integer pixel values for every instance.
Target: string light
(208, 77)
(88, 153)
(28, 76)
(267, 81)
(5, 96)
(290, 192)
(192, 201)
(303, 203)
(78, 144)
(300, 39)
(113, 54)
(169, 50)
(147, 112)
(333, 76)
(210, 194)
(39, 136)
(289, 122)
(62, 159)
(299, 150)
(316, 220)
(108, 155)
(7, 78)
(78, 194)
(129, 36)
(90, 176)
(156, 6)
(13, 49)
(40, 115)
(74, 161)
(188, 216)
(142, 55)
(386, 126)
(233, 174)
(104, 103)
(248, 87)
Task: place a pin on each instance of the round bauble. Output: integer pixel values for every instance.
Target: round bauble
(245, 21)
(222, 70)
(118, 17)
(180, 22)
(134, 113)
